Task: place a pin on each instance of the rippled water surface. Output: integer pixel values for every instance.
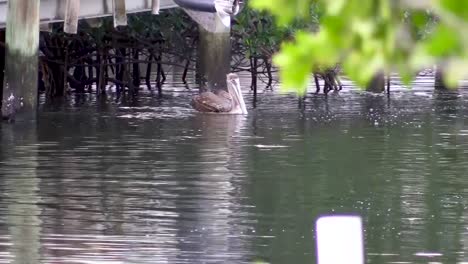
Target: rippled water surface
(151, 181)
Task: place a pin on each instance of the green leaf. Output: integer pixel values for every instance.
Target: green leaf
(366, 37)
(456, 7)
(443, 42)
(334, 7)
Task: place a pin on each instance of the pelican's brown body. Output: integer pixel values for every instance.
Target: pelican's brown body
(221, 101)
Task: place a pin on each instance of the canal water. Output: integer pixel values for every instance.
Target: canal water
(118, 180)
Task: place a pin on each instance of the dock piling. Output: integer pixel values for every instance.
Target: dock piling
(120, 13)
(377, 84)
(155, 7)
(214, 49)
(72, 11)
(22, 43)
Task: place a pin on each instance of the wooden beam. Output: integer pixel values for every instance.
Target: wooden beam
(2, 66)
(53, 11)
(377, 83)
(22, 45)
(120, 13)
(72, 11)
(155, 7)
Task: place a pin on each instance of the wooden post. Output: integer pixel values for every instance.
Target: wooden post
(22, 44)
(377, 84)
(120, 13)
(72, 10)
(65, 70)
(148, 70)
(439, 78)
(101, 85)
(439, 83)
(389, 77)
(155, 7)
(136, 69)
(2, 64)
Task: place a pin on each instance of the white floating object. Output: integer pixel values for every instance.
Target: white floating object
(428, 254)
(340, 240)
(269, 146)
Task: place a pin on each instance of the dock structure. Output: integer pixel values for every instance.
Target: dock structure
(52, 11)
(23, 19)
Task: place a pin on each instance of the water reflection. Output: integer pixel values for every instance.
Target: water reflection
(212, 226)
(20, 194)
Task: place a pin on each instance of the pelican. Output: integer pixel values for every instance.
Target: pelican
(230, 102)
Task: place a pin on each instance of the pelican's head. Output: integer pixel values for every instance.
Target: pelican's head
(236, 6)
(228, 8)
(236, 92)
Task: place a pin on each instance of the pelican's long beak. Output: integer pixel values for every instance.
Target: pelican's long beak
(233, 91)
(224, 10)
(240, 97)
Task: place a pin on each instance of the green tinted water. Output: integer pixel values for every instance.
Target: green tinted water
(151, 181)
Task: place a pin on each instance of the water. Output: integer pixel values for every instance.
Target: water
(151, 181)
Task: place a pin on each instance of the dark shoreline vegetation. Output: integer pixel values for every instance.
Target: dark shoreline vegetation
(101, 55)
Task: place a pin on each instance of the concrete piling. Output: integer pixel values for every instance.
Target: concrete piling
(214, 49)
(214, 55)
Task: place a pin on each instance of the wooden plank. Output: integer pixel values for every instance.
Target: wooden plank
(155, 7)
(72, 11)
(22, 45)
(53, 11)
(120, 13)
